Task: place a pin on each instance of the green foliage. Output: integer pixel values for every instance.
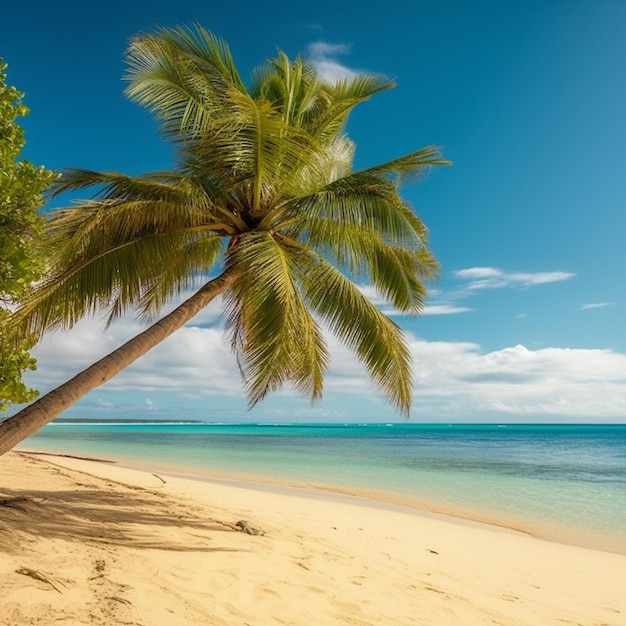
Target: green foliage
(22, 185)
(14, 360)
(264, 188)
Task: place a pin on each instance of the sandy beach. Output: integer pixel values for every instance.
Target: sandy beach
(86, 542)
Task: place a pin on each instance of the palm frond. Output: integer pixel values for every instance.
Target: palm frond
(198, 42)
(396, 272)
(362, 200)
(323, 167)
(160, 186)
(290, 86)
(273, 334)
(257, 149)
(183, 77)
(92, 229)
(186, 266)
(141, 273)
(185, 198)
(375, 339)
(326, 117)
(410, 167)
(113, 255)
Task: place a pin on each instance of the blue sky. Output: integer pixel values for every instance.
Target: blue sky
(526, 97)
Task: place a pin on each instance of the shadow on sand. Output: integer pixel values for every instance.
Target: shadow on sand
(104, 512)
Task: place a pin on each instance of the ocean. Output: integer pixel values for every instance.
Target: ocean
(559, 482)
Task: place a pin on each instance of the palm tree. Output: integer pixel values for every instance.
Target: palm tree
(263, 210)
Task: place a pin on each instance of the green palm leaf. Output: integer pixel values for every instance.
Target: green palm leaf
(273, 334)
(376, 340)
(182, 76)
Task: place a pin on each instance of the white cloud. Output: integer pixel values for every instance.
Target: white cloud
(195, 369)
(539, 278)
(444, 309)
(494, 278)
(479, 272)
(595, 305)
(459, 381)
(323, 57)
(323, 49)
(583, 384)
(193, 360)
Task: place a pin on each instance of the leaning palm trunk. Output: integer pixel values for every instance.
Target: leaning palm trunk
(33, 417)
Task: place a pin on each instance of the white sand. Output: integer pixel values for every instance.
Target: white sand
(100, 544)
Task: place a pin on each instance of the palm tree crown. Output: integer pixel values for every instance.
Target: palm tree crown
(264, 193)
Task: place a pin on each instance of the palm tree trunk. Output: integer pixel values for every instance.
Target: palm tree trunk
(30, 419)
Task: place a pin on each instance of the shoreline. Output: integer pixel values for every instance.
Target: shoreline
(128, 546)
(331, 493)
(390, 500)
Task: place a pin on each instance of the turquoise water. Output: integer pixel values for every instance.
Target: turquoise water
(562, 478)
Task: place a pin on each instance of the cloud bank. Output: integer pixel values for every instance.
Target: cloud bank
(453, 380)
(194, 374)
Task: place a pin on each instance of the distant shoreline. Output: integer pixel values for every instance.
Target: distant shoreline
(153, 422)
(86, 421)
